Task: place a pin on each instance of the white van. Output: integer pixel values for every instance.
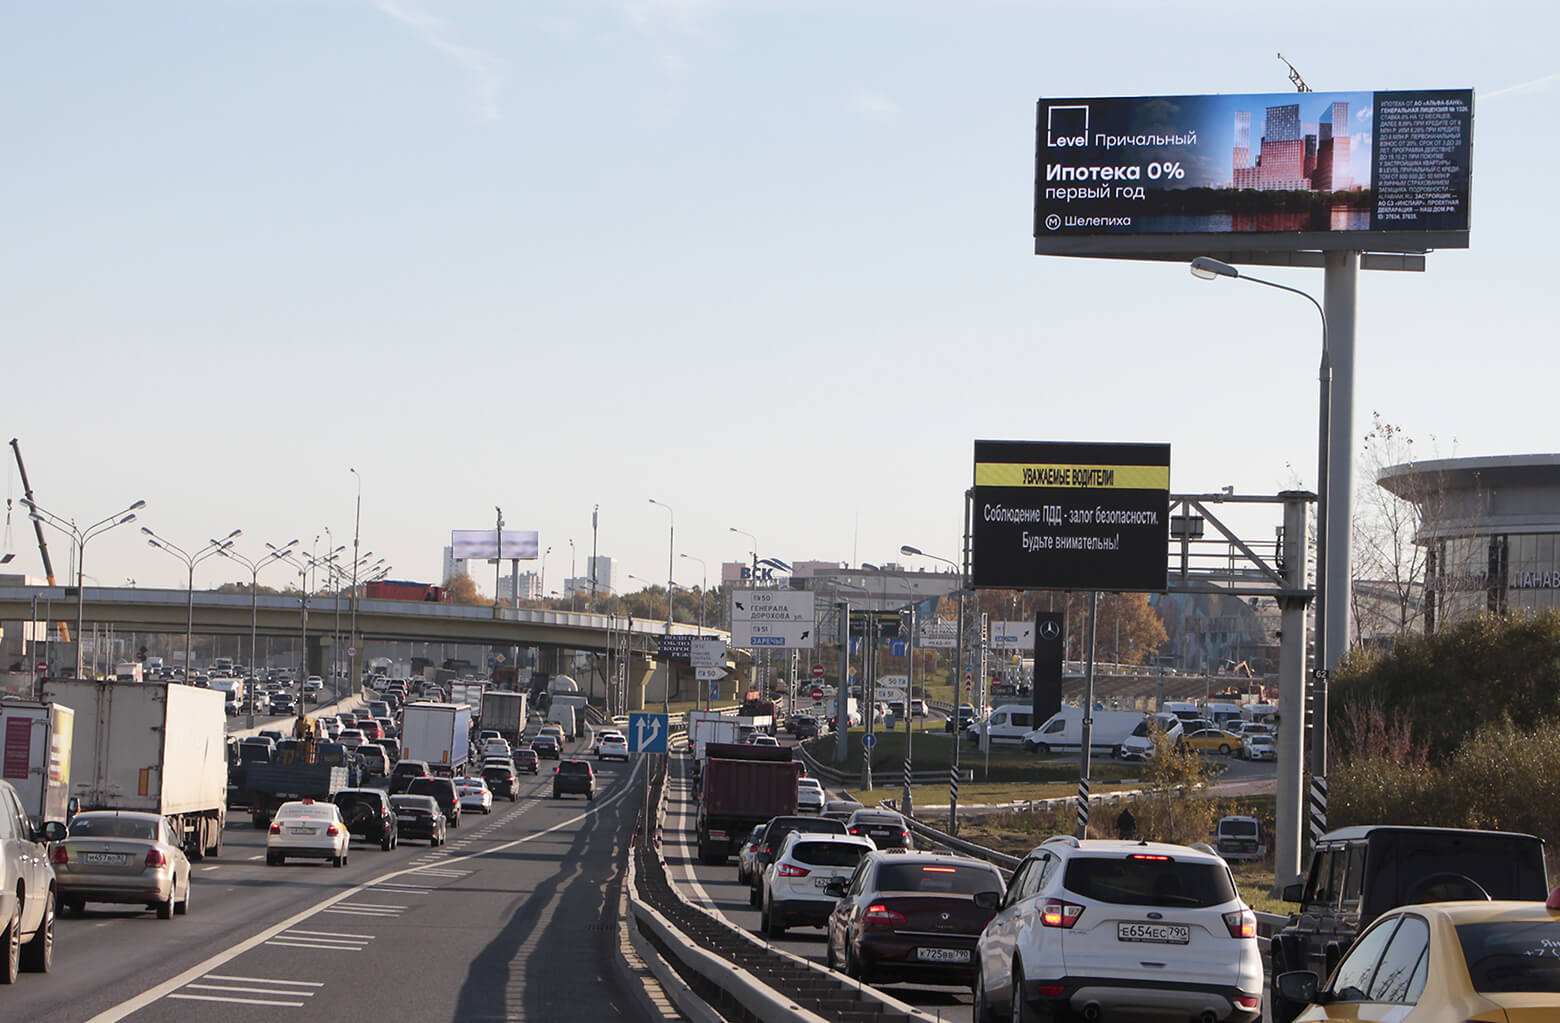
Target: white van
(1183, 709)
(1140, 743)
(1263, 712)
(1008, 723)
(563, 716)
(1063, 731)
(1221, 713)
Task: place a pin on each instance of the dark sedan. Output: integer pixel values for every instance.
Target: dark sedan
(419, 817)
(525, 759)
(910, 917)
(547, 746)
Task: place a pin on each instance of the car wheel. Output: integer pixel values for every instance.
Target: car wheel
(590, 797)
(38, 954)
(72, 906)
(13, 945)
(852, 964)
(182, 907)
(980, 1011)
(386, 844)
(1019, 1010)
(273, 860)
(753, 896)
(1224, 750)
(165, 907)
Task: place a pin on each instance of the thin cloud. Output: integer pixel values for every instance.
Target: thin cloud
(479, 64)
(690, 17)
(1536, 85)
(872, 106)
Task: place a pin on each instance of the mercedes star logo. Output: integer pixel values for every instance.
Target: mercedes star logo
(1050, 630)
(946, 915)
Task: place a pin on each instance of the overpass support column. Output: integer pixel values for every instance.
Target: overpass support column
(642, 683)
(314, 656)
(548, 659)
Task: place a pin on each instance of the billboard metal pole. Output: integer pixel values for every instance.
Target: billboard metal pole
(1088, 717)
(1291, 695)
(1340, 286)
(842, 691)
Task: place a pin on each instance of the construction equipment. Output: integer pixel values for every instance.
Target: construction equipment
(43, 546)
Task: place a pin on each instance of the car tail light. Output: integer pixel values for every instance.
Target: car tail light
(857, 831)
(1242, 923)
(1056, 913)
(59, 856)
(276, 828)
(1151, 856)
(156, 858)
(1247, 1003)
(879, 917)
(333, 830)
(792, 870)
(1049, 990)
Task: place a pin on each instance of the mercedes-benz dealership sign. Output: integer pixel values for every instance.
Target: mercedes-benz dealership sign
(1071, 516)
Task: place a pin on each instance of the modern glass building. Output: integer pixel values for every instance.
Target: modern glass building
(1491, 527)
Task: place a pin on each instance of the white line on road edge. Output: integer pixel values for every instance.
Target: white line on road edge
(167, 988)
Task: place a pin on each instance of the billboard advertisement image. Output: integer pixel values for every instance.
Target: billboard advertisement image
(483, 544)
(1384, 171)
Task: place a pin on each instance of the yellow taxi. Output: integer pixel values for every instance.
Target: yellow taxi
(1212, 740)
(1444, 962)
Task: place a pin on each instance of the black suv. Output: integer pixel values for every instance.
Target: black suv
(404, 771)
(443, 792)
(574, 777)
(1359, 873)
(368, 815)
(502, 781)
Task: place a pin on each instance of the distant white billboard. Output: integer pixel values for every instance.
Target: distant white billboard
(482, 544)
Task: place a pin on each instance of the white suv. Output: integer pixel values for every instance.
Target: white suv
(1107, 929)
(794, 883)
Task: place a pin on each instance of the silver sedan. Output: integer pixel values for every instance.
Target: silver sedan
(125, 857)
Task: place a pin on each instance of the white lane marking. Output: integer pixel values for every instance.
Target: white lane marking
(690, 853)
(208, 868)
(266, 980)
(165, 990)
(250, 990)
(343, 935)
(237, 1001)
(260, 857)
(279, 943)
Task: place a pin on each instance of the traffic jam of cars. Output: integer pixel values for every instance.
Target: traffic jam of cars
(316, 788)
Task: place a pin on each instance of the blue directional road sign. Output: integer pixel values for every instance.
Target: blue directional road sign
(647, 733)
(714, 690)
(868, 741)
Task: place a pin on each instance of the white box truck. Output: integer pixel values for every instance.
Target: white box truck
(505, 712)
(158, 747)
(439, 733)
(35, 743)
(469, 693)
(707, 726)
(1062, 732)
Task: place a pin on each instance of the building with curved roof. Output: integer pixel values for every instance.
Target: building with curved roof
(1491, 527)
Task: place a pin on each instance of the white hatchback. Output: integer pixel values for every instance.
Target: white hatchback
(611, 744)
(306, 829)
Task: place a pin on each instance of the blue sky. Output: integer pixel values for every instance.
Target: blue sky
(769, 263)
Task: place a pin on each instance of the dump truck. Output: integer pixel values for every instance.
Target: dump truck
(740, 787)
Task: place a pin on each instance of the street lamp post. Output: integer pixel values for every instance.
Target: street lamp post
(211, 549)
(1332, 566)
(595, 515)
(275, 554)
(754, 551)
(671, 560)
(958, 673)
(80, 537)
(352, 637)
(703, 588)
(573, 586)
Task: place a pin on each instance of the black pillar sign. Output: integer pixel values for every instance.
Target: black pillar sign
(1050, 649)
(1071, 516)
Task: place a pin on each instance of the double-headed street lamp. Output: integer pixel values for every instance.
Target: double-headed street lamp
(274, 555)
(306, 564)
(211, 549)
(80, 537)
(753, 550)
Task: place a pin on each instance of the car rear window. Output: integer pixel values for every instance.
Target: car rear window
(1145, 880)
(937, 877)
(113, 827)
(828, 854)
(1238, 829)
(1515, 955)
(573, 767)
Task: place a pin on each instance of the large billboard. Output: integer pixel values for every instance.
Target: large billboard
(478, 544)
(1147, 175)
(1071, 516)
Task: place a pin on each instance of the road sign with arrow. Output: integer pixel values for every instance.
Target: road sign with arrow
(772, 618)
(647, 733)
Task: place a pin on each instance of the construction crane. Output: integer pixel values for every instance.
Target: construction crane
(1294, 75)
(43, 545)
